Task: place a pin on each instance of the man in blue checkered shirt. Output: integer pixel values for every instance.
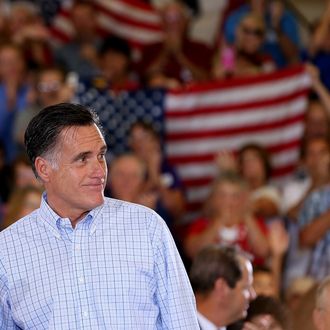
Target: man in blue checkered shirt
(82, 261)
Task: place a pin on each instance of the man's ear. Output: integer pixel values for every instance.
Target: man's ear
(221, 287)
(43, 168)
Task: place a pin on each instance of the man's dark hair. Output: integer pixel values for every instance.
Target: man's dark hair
(117, 45)
(212, 263)
(43, 131)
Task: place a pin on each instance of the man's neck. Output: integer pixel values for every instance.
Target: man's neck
(210, 310)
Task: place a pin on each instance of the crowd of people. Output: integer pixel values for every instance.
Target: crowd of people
(283, 232)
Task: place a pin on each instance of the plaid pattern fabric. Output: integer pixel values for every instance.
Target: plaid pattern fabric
(315, 205)
(118, 269)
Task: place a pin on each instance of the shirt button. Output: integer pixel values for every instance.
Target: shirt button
(85, 314)
(81, 279)
(78, 247)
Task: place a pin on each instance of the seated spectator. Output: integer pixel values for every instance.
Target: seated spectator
(162, 178)
(321, 313)
(22, 202)
(267, 313)
(228, 220)
(221, 278)
(28, 30)
(80, 54)
(177, 57)
(13, 93)
(281, 37)
(115, 63)
(245, 57)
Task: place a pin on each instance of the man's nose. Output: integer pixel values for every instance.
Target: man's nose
(99, 168)
(253, 294)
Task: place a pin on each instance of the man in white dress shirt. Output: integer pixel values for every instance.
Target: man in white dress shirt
(221, 278)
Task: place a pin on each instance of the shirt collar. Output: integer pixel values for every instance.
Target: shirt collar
(53, 221)
(206, 324)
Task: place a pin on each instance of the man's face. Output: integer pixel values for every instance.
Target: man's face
(75, 184)
(318, 158)
(242, 293)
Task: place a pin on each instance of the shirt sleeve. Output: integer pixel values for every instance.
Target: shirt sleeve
(174, 295)
(310, 210)
(289, 27)
(6, 319)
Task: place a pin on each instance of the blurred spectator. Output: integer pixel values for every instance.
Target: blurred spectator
(27, 29)
(314, 224)
(23, 201)
(228, 220)
(281, 38)
(321, 314)
(264, 282)
(177, 59)
(245, 57)
(162, 178)
(23, 173)
(80, 54)
(221, 278)
(127, 180)
(115, 63)
(253, 163)
(316, 163)
(13, 93)
(51, 87)
(319, 46)
(267, 313)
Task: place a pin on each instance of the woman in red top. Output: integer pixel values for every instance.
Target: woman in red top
(228, 220)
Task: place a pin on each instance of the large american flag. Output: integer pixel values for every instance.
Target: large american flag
(199, 121)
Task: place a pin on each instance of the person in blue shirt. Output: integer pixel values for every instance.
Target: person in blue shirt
(83, 261)
(282, 39)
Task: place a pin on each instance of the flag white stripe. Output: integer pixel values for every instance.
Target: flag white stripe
(64, 25)
(228, 120)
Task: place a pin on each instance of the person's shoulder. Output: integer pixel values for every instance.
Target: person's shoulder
(17, 232)
(130, 212)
